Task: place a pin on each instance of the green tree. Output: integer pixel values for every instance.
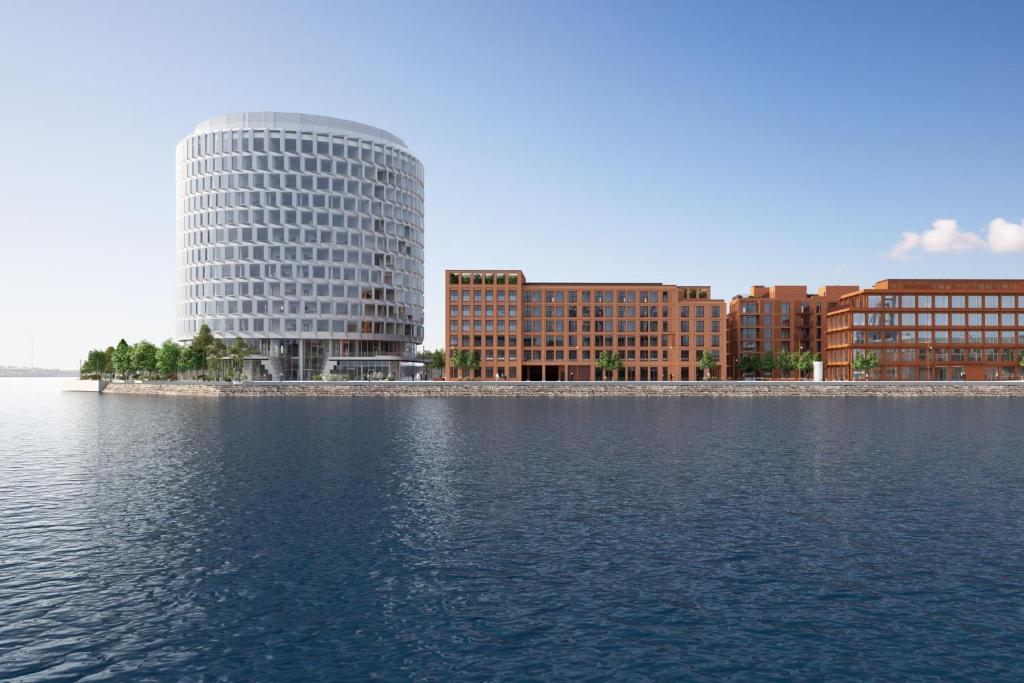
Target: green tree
(191, 359)
(123, 359)
(108, 368)
(214, 355)
(203, 339)
(456, 361)
(749, 365)
(238, 352)
(168, 358)
(435, 359)
(805, 363)
(767, 363)
(708, 363)
(472, 362)
(609, 362)
(144, 358)
(95, 364)
(465, 360)
(864, 362)
(786, 362)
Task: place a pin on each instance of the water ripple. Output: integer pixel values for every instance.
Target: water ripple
(508, 539)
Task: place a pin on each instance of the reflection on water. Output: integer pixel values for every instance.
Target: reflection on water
(297, 539)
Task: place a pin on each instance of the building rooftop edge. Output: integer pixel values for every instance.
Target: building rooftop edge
(306, 122)
(568, 283)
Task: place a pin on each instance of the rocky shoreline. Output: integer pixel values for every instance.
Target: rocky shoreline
(571, 389)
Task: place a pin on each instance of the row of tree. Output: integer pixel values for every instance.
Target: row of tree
(466, 360)
(864, 362)
(206, 357)
(608, 362)
(765, 364)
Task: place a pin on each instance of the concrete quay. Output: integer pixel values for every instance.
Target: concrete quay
(571, 389)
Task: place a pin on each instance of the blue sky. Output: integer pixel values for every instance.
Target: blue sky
(716, 143)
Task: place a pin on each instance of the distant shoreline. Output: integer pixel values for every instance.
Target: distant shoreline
(35, 373)
(570, 389)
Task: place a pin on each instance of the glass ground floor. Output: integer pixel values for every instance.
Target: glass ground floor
(926, 373)
(292, 360)
(582, 373)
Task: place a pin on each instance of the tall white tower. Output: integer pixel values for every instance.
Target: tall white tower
(303, 235)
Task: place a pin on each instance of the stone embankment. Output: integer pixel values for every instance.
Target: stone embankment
(570, 389)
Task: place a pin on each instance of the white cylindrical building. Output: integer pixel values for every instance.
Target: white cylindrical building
(303, 235)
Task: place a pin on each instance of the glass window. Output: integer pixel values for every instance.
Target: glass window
(959, 301)
(991, 301)
(907, 301)
(941, 301)
(974, 301)
(924, 301)
(1007, 301)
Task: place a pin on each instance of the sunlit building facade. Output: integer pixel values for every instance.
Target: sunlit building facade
(784, 318)
(944, 330)
(303, 235)
(556, 331)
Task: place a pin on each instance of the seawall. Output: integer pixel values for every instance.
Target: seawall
(572, 389)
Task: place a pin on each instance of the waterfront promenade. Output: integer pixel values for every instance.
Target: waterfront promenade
(571, 389)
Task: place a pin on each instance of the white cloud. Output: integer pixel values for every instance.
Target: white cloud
(945, 236)
(905, 245)
(1005, 236)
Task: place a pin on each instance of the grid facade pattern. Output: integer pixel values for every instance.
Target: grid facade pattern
(930, 330)
(778, 318)
(300, 227)
(556, 331)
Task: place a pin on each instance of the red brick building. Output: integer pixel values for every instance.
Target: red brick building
(929, 330)
(551, 331)
(778, 318)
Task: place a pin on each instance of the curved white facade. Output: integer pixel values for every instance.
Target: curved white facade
(303, 235)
